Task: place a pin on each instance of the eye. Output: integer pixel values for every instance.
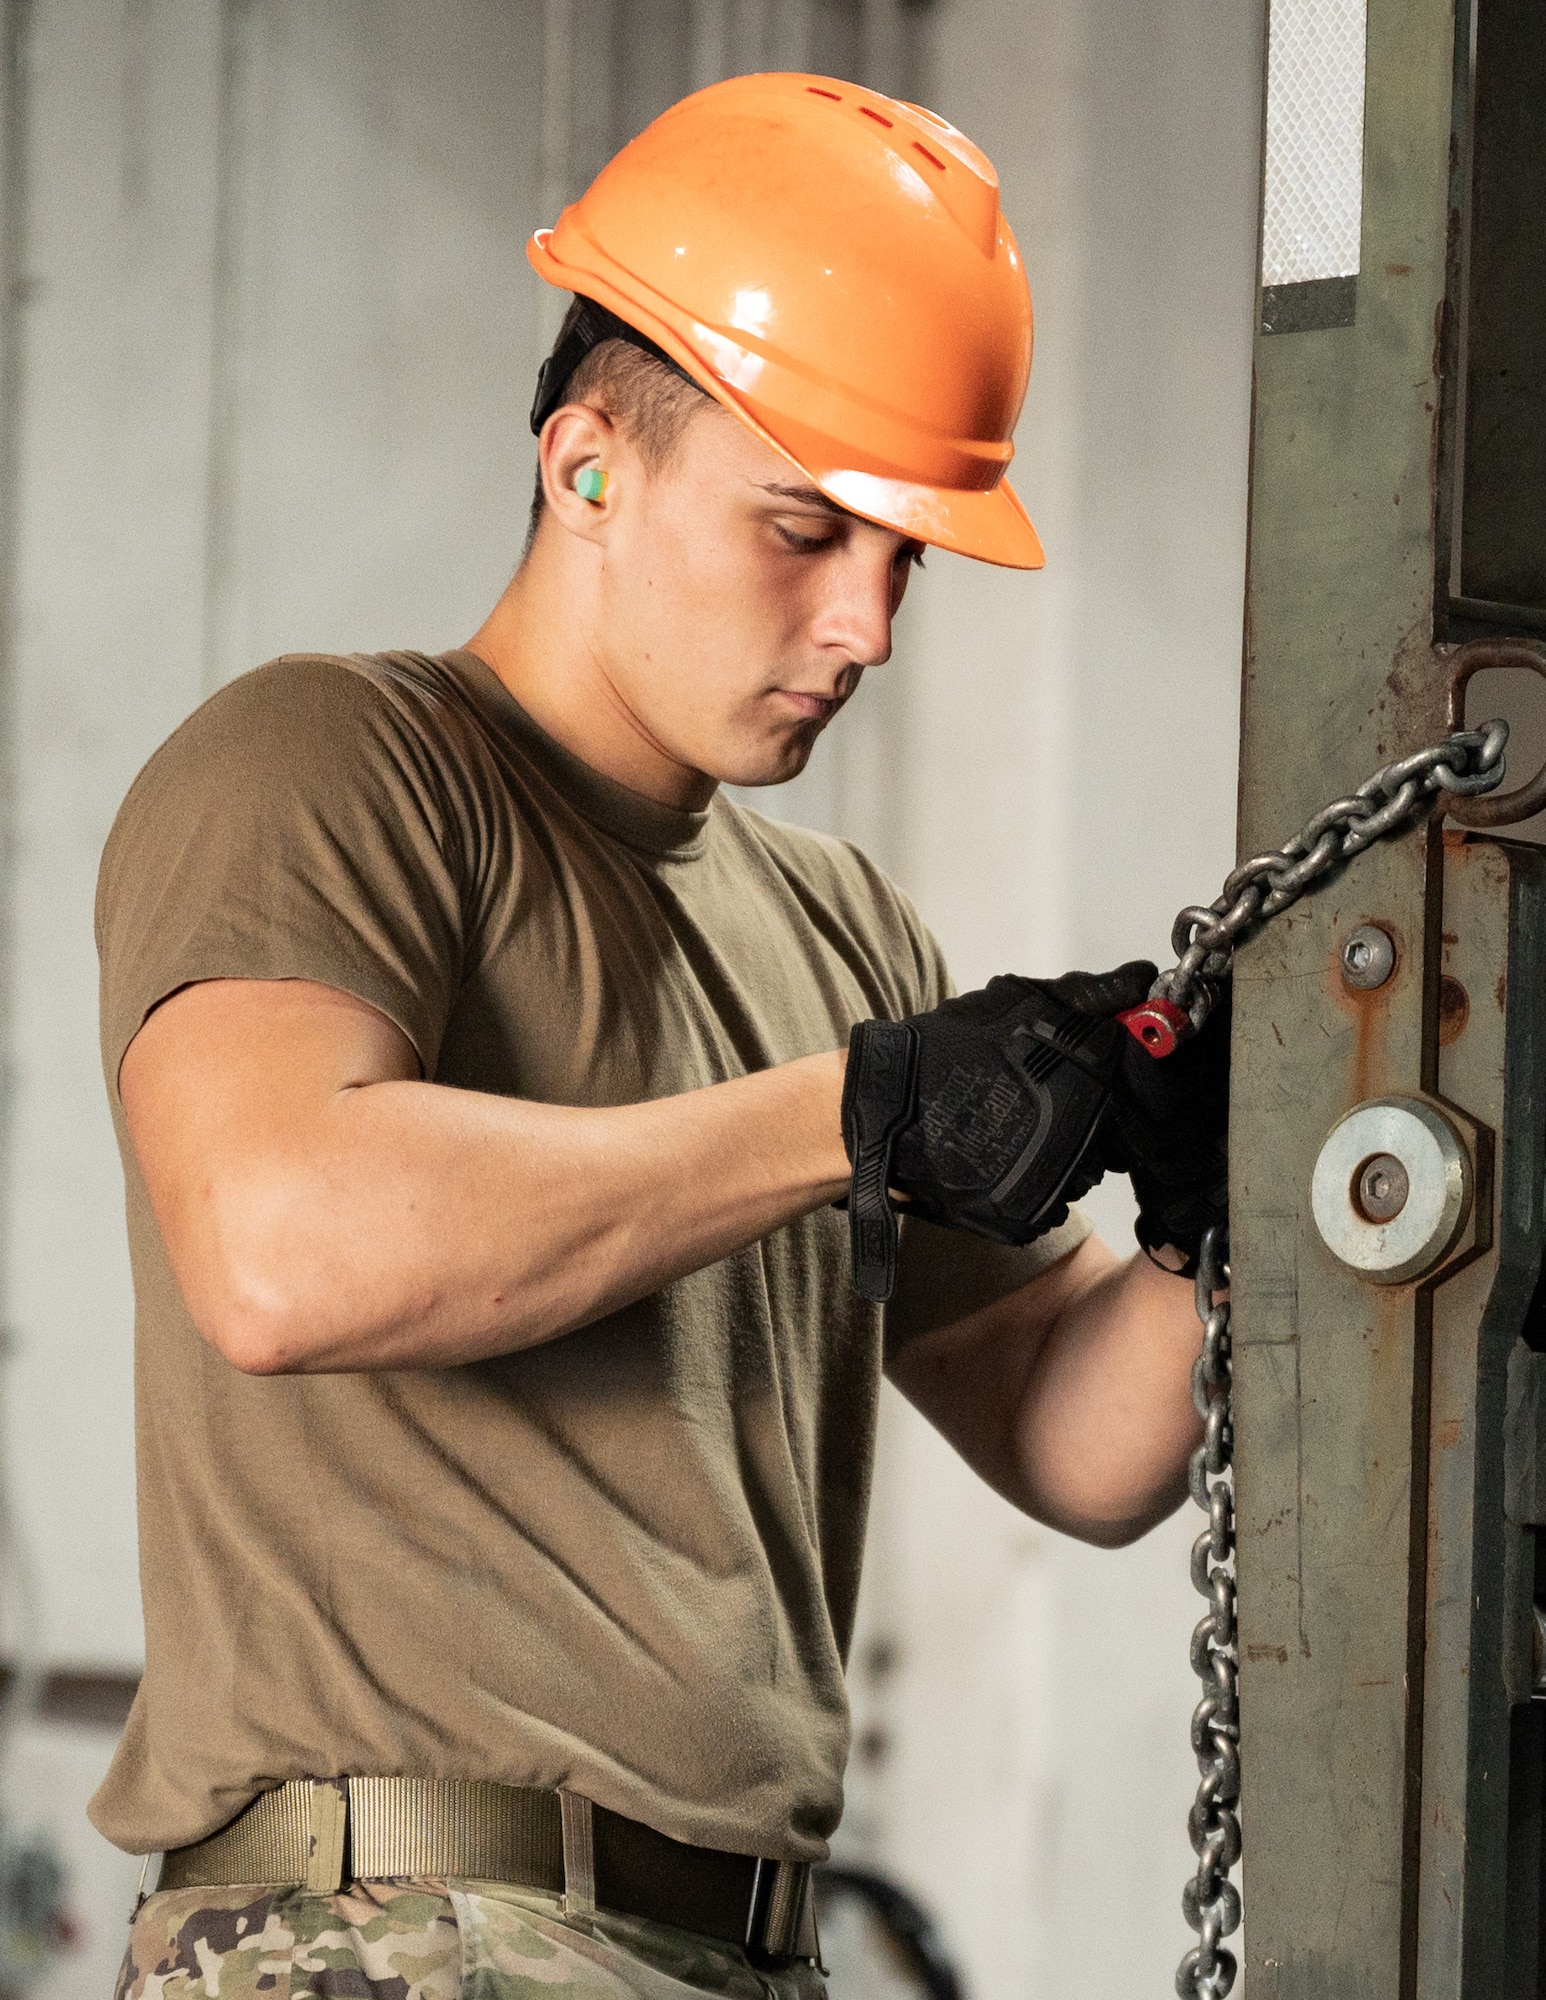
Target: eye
(910, 556)
(806, 544)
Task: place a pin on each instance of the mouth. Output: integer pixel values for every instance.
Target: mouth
(812, 707)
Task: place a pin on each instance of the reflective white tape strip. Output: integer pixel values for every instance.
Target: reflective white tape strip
(1313, 196)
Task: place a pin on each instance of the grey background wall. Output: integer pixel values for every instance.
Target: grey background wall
(273, 334)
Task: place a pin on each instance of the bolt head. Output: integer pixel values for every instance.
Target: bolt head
(1381, 1188)
(1368, 957)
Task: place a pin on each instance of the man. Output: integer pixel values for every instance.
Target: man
(505, 1407)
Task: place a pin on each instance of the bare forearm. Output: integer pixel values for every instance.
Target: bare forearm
(1106, 1423)
(1071, 1396)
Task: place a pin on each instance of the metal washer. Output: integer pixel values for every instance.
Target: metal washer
(1438, 1170)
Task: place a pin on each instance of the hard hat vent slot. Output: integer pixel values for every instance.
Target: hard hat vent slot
(866, 112)
(812, 91)
(933, 158)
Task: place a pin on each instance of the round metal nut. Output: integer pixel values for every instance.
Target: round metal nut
(1368, 957)
(1358, 1177)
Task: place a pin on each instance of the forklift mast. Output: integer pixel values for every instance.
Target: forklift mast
(1389, 1112)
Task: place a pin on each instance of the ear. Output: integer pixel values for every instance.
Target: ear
(576, 439)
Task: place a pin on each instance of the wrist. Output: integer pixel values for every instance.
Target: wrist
(823, 1124)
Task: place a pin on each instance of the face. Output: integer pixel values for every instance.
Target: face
(735, 608)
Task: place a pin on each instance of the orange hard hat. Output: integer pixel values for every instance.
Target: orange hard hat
(833, 266)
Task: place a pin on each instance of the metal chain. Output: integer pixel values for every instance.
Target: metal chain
(1210, 1901)
(1469, 762)
(1204, 940)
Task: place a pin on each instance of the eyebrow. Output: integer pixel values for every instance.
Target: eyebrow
(809, 496)
(812, 496)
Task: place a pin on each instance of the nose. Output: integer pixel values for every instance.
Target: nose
(856, 615)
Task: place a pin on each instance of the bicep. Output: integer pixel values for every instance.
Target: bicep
(230, 1075)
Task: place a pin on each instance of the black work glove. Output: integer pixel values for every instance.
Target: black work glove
(981, 1113)
(1167, 1126)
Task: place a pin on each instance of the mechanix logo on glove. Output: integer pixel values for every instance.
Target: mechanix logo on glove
(980, 1114)
(968, 1132)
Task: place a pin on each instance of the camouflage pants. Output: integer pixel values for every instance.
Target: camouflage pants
(425, 1940)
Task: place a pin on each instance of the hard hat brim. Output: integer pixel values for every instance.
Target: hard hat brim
(990, 526)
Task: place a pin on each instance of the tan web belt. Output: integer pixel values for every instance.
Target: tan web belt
(320, 1833)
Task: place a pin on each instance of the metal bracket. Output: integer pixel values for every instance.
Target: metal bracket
(1498, 808)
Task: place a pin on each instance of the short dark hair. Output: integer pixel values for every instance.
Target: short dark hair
(651, 404)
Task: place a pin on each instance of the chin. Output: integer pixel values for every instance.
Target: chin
(768, 763)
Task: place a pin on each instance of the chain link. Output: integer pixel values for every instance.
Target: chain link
(1467, 763)
(1204, 940)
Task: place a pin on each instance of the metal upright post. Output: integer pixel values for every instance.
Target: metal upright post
(1384, 1586)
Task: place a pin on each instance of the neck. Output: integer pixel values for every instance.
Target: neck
(542, 640)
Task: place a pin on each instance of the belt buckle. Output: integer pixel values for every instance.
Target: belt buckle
(775, 1919)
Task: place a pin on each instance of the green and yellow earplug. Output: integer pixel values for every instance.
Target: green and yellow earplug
(591, 483)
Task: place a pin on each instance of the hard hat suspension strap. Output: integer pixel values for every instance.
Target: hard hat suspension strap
(587, 329)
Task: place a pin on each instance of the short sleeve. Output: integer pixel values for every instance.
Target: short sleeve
(945, 1274)
(297, 826)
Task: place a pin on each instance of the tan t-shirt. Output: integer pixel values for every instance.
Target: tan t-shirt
(625, 1561)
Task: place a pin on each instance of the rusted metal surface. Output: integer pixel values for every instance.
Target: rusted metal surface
(1330, 1378)
(1387, 1651)
(1333, 1374)
(1391, 1439)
